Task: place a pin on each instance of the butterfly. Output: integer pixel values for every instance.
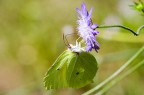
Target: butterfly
(71, 70)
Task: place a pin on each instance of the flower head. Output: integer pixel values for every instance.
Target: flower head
(86, 28)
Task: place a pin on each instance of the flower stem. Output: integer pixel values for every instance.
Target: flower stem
(126, 28)
(106, 88)
(115, 74)
(139, 29)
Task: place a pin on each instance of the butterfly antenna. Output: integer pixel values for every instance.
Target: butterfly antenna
(65, 41)
(69, 35)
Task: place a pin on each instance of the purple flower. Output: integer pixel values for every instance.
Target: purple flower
(86, 28)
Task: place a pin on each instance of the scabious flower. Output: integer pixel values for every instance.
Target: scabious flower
(86, 29)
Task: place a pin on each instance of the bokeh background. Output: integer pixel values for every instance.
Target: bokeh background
(31, 39)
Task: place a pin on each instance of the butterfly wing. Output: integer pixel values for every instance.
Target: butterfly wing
(82, 71)
(56, 75)
(71, 70)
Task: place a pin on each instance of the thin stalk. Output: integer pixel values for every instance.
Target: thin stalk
(126, 28)
(115, 74)
(112, 83)
(139, 29)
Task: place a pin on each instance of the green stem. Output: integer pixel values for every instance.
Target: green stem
(106, 88)
(115, 74)
(139, 29)
(126, 28)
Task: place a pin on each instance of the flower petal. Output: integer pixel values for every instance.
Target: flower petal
(84, 10)
(90, 14)
(95, 32)
(78, 10)
(94, 26)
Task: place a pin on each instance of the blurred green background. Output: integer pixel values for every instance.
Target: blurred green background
(31, 39)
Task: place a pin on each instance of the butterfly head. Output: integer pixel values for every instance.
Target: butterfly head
(76, 48)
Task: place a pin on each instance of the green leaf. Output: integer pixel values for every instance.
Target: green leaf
(71, 70)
